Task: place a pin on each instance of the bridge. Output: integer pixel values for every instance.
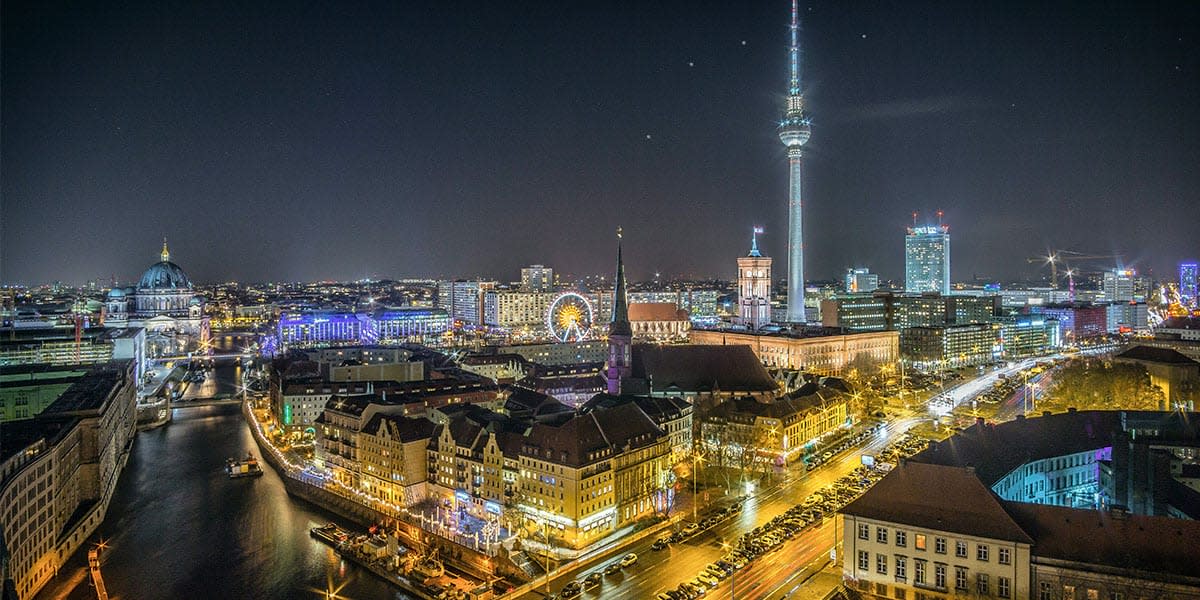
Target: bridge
(213, 401)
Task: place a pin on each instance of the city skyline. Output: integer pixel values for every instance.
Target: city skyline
(337, 143)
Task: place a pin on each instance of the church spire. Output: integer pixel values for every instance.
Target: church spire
(620, 333)
(166, 254)
(620, 311)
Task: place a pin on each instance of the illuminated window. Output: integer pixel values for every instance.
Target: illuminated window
(920, 542)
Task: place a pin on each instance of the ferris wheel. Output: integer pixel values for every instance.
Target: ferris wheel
(570, 317)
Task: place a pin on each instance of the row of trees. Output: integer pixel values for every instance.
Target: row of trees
(1094, 384)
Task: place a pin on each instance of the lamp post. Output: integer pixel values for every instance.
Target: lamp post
(696, 457)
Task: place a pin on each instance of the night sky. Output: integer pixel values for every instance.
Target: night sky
(340, 140)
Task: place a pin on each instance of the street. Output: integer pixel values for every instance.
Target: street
(657, 571)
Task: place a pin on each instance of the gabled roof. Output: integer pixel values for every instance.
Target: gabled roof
(701, 368)
(407, 428)
(940, 498)
(1153, 544)
(576, 441)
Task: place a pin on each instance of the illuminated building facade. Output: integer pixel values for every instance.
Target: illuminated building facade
(754, 286)
(58, 472)
(827, 354)
(1118, 285)
(658, 321)
(165, 305)
(1187, 284)
(463, 301)
(927, 259)
(537, 278)
(1022, 336)
(392, 458)
(394, 325)
(1077, 321)
(950, 346)
(511, 309)
(860, 281)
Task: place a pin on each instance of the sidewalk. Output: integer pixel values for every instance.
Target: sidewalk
(819, 585)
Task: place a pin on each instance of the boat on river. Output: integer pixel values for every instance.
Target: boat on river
(243, 468)
(330, 534)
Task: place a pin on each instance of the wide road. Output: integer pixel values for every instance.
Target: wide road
(666, 569)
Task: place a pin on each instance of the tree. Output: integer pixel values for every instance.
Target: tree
(1092, 384)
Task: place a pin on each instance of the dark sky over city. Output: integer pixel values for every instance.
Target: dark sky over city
(338, 140)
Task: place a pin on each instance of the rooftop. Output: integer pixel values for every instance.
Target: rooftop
(1156, 355)
(962, 503)
(701, 368)
(1114, 539)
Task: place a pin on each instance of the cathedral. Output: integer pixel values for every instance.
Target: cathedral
(164, 304)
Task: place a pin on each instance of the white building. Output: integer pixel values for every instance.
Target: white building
(164, 304)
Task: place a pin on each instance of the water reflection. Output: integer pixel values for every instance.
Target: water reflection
(179, 528)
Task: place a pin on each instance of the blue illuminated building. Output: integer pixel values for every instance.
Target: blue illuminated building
(393, 325)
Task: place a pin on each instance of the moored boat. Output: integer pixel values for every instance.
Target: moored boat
(243, 468)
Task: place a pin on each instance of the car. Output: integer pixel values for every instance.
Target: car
(663, 596)
(700, 583)
(659, 544)
(571, 590)
(592, 580)
(612, 568)
(690, 529)
(629, 560)
(708, 579)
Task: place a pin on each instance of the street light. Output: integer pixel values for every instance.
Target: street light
(696, 457)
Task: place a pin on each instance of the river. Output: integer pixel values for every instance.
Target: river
(179, 528)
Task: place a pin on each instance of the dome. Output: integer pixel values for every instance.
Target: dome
(165, 275)
(196, 301)
(116, 294)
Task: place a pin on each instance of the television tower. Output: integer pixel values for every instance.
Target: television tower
(794, 132)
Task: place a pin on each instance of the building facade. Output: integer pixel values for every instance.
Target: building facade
(165, 305)
(927, 260)
(820, 354)
(537, 278)
(754, 287)
(860, 281)
(59, 470)
(951, 346)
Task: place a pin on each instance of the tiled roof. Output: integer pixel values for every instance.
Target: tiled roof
(995, 449)
(701, 368)
(1143, 543)
(939, 498)
(409, 429)
(576, 441)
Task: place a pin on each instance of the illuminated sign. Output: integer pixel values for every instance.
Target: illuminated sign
(462, 496)
(492, 507)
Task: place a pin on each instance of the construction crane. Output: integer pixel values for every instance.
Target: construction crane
(1065, 257)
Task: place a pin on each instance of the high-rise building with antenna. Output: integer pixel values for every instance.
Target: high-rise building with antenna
(794, 132)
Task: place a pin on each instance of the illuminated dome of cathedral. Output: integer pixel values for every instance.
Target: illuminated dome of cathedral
(164, 275)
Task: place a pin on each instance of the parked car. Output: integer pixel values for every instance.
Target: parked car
(612, 568)
(629, 560)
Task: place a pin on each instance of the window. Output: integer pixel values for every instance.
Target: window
(981, 552)
(1044, 592)
(960, 578)
(864, 560)
(881, 535)
(881, 564)
(920, 542)
(939, 576)
(1002, 585)
(960, 549)
(902, 538)
(939, 545)
(901, 568)
(981, 583)
(901, 593)
(864, 531)
(1068, 592)
(918, 571)
(1004, 556)
(1093, 594)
